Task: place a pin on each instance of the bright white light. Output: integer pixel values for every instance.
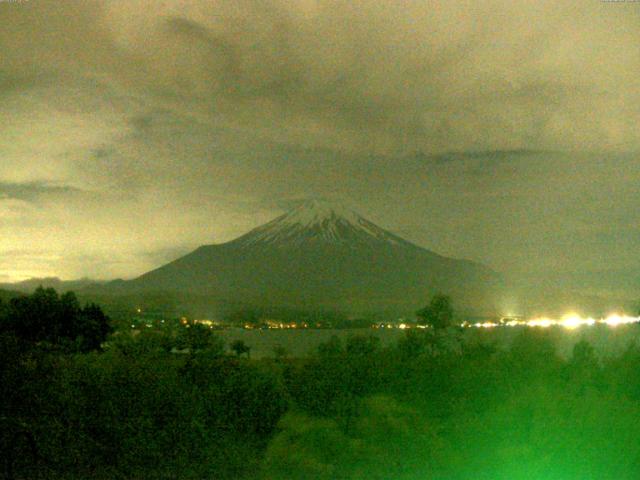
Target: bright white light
(572, 321)
(569, 321)
(515, 323)
(486, 325)
(541, 322)
(615, 320)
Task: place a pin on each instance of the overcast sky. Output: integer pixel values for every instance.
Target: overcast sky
(501, 131)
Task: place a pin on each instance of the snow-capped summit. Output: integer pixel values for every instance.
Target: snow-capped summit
(316, 211)
(318, 220)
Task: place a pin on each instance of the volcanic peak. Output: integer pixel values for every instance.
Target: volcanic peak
(318, 220)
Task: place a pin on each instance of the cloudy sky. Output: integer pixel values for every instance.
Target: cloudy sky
(501, 131)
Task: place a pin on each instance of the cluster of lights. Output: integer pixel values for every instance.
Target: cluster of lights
(401, 326)
(569, 322)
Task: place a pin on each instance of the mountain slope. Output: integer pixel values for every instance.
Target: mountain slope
(321, 255)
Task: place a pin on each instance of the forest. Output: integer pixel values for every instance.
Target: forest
(79, 401)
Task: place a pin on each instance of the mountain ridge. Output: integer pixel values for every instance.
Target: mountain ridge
(321, 255)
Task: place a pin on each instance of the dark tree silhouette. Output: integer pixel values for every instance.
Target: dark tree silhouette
(92, 327)
(46, 317)
(438, 314)
(198, 337)
(240, 348)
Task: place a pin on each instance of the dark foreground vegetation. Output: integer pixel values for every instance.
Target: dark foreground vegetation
(426, 408)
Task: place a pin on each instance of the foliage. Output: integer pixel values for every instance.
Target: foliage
(240, 348)
(280, 352)
(438, 314)
(355, 410)
(362, 345)
(197, 337)
(46, 317)
(331, 348)
(388, 440)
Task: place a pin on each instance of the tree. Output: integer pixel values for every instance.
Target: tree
(69, 311)
(91, 328)
(46, 317)
(438, 314)
(240, 348)
(584, 366)
(198, 337)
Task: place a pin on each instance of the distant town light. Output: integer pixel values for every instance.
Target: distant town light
(615, 320)
(541, 322)
(570, 321)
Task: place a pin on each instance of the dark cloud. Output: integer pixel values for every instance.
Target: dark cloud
(380, 76)
(34, 191)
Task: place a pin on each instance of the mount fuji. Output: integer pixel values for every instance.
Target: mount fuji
(321, 255)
